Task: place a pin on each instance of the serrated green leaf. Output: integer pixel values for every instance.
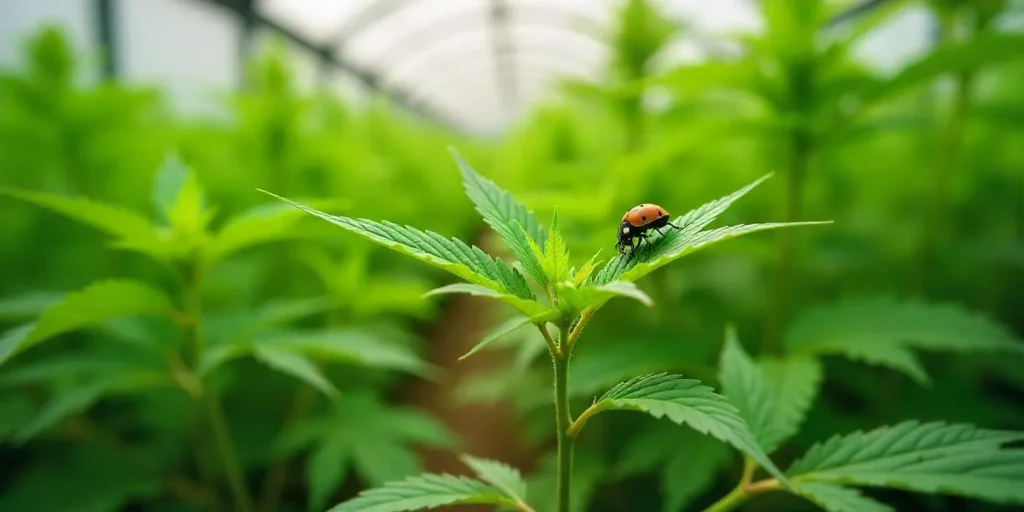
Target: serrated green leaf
(506, 328)
(676, 244)
(295, 365)
(256, 227)
(506, 216)
(792, 383)
(556, 254)
(883, 331)
(97, 303)
(500, 475)
(593, 297)
(452, 255)
(836, 498)
(131, 230)
(744, 385)
(689, 225)
(423, 492)
(922, 457)
(528, 307)
(586, 270)
(685, 402)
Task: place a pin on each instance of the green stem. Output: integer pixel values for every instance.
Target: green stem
(211, 402)
(742, 493)
(563, 418)
(227, 453)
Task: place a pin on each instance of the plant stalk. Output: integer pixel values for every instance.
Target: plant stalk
(211, 402)
(563, 418)
(743, 492)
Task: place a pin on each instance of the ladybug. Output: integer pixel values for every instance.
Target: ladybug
(637, 221)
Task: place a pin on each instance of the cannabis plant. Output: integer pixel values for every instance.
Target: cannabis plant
(757, 413)
(170, 353)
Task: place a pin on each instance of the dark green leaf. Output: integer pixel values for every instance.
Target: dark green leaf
(923, 457)
(423, 492)
(836, 498)
(295, 365)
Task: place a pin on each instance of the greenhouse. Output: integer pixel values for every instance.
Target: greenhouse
(358, 255)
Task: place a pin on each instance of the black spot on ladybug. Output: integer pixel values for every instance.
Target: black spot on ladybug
(659, 213)
(643, 217)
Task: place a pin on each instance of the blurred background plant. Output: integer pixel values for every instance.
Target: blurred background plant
(315, 345)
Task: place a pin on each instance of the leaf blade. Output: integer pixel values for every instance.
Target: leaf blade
(933, 457)
(500, 475)
(294, 365)
(423, 492)
(687, 402)
(506, 216)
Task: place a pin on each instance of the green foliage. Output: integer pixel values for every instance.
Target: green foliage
(922, 457)
(894, 331)
(773, 395)
(836, 498)
(423, 492)
(93, 305)
(688, 238)
(499, 484)
(686, 402)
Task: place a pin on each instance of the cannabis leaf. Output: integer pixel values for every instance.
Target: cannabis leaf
(592, 297)
(131, 231)
(772, 395)
(506, 328)
(688, 238)
(923, 457)
(836, 498)
(526, 306)
(452, 255)
(296, 365)
(516, 225)
(792, 383)
(500, 475)
(554, 257)
(684, 402)
(97, 303)
(743, 384)
(884, 331)
(256, 227)
(424, 492)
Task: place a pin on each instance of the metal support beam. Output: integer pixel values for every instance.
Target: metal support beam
(502, 47)
(106, 33)
(330, 59)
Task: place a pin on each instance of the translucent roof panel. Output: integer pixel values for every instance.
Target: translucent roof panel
(481, 61)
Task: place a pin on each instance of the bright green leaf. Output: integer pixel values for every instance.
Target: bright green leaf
(452, 255)
(836, 498)
(556, 255)
(170, 180)
(586, 270)
(687, 238)
(500, 475)
(259, 226)
(296, 365)
(423, 492)
(685, 402)
(506, 216)
(98, 303)
(922, 457)
(593, 297)
(507, 328)
(27, 305)
(884, 331)
(131, 230)
(528, 307)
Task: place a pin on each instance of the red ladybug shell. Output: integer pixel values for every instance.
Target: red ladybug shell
(644, 214)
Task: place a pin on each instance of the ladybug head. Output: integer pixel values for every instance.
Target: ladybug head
(625, 235)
